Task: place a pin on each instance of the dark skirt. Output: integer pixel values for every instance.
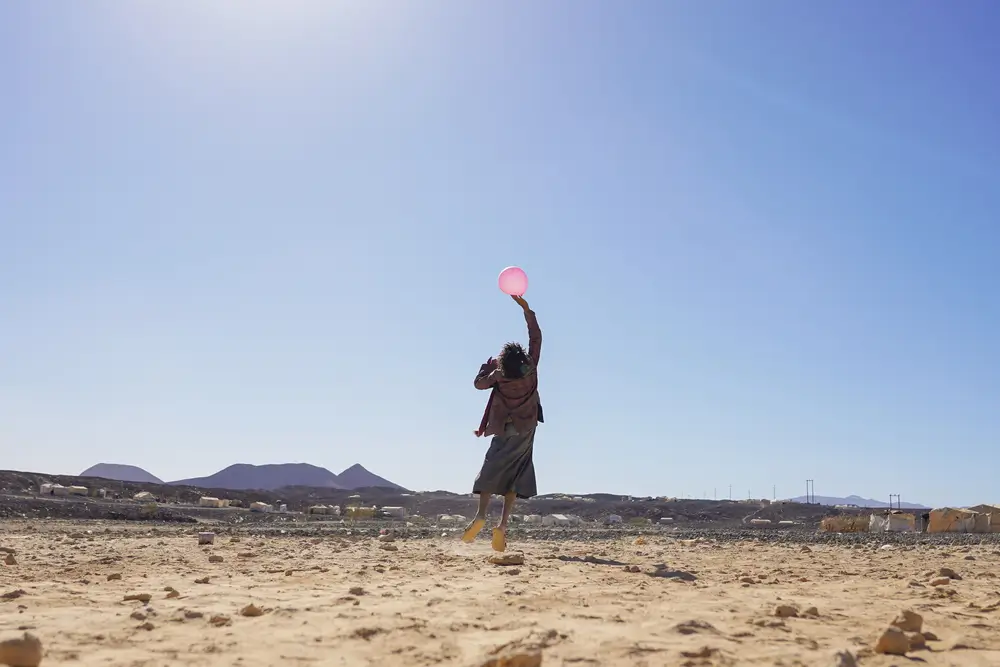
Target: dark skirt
(508, 465)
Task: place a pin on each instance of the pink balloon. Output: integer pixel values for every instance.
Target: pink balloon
(513, 281)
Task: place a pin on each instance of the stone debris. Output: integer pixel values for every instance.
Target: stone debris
(811, 611)
(203, 580)
(513, 659)
(786, 611)
(916, 640)
(357, 590)
(940, 581)
(220, 620)
(389, 547)
(950, 573)
(632, 568)
(191, 614)
(138, 597)
(504, 560)
(909, 621)
(25, 651)
(115, 577)
(147, 626)
(138, 616)
(215, 558)
(893, 641)
(10, 560)
(844, 659)
(13, 595)
(251, 611)
(387, 537)
(703, 652)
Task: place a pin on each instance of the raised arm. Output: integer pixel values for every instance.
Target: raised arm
(486, 377)
(534, 333)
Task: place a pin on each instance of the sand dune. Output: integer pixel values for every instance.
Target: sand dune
(345, 601)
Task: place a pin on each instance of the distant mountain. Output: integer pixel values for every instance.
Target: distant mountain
(121, 473)
(243, 476)
(854, 500)
(357, 477)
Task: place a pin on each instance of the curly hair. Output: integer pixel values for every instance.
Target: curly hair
(513, 361)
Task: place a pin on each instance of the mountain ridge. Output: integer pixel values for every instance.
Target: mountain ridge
(855, 500)
(120, 472)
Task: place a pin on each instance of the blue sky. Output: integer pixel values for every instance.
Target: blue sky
(762, 239)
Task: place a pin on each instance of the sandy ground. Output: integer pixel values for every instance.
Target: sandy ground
(333, 601)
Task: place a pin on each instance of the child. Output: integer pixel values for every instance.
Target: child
(512, 414)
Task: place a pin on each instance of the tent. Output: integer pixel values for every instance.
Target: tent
(993, 512)
(952, 520)
(893, 522)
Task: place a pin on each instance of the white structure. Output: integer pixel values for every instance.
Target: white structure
(613, 518)
(533, 518)
(209, 501)
(666, 519)
(144, 497)
(560, 520)
(317, 509)
(76, 490)
(760, 522)
(260, 507)
(892, 523)
(394, 512)
(48, 489)
(60, 490)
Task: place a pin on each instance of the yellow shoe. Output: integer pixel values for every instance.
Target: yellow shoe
(474, 528)
(499, 539)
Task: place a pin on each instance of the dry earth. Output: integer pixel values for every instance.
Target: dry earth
(358, 601)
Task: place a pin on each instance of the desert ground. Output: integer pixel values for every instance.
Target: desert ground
(100, 593)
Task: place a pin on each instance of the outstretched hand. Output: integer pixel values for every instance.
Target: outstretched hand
(519, 300)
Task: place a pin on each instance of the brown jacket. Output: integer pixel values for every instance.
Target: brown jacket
(513, 399)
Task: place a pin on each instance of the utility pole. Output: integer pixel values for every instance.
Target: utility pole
(715, 493)
(774, 492)
(810, 492)
(730, 491)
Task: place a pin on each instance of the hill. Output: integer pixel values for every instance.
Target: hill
(358, 477)
(265, 477)
(854, 500)
(121, 473)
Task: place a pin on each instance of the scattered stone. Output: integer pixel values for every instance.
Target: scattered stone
(785, 611)
(514, 659)
(747, 580)
(909, 621)
(916, 640)
(10, 560)
(892, 642)
(138, 616)
(507, 559)
(662, 571)
(13, 595)
(388, 547)
(220, 620)
(805, 549)
(147, 626)
(929, 636)
(25, 651)
(388, 537)
(940, 581)
(632, 568)
(251, 611)
(215, 558)
(289, 573)
(203, 580)
(138, 597)
(703, 652)
(172, 594)
(695, 627)
(513, 571)
(357, 590)
(950, 573)
(115, 577)
(811, 611)
(191, 614)
(246, 554)
(844, 659)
